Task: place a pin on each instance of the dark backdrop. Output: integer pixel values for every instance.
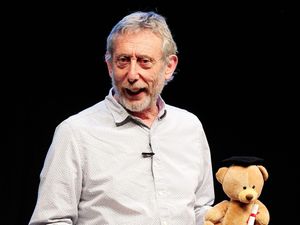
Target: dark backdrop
(236, 73)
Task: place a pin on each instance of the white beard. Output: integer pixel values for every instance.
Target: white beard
(150, 99)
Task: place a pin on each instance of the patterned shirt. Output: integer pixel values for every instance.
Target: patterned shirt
(105, 167)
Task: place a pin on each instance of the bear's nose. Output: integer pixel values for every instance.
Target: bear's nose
(249, 197)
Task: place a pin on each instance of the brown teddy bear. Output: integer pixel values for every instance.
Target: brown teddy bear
(242, 181)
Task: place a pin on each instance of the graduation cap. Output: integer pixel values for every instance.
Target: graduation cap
(242, 161)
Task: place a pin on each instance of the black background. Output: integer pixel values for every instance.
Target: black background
(237, 72)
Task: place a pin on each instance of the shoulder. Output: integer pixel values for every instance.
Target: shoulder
(182, 114)
(86, 116)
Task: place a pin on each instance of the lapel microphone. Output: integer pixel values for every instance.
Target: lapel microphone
(147, 154)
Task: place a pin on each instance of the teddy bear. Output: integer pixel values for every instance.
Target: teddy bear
(242, 181)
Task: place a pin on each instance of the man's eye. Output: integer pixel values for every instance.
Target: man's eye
(123, 61)
(145, 62)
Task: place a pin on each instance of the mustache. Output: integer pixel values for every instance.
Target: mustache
(134, 86)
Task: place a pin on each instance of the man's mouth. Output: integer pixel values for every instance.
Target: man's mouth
(134, 92)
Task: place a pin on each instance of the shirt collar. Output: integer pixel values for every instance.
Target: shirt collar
(121, 116)
(162, 111)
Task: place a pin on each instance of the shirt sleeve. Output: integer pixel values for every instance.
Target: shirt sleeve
(60, 181)
(205, 194)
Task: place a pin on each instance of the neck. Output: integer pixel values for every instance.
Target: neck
(147, 115)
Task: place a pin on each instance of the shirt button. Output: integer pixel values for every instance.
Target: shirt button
(161, 193)
(164, 223)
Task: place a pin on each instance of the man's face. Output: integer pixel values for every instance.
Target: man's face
(138, 70)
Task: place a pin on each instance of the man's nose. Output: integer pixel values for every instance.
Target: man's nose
(133, 71)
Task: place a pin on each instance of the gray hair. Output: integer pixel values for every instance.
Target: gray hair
(139, 21)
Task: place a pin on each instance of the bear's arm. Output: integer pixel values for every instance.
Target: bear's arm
(263, 216)
(217, 212)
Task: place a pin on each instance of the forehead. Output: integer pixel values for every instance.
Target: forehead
(142, 42)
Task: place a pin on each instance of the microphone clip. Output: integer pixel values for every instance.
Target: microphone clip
(147, 154)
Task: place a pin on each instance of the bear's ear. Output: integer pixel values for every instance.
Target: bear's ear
(263, 171)
(221, 173)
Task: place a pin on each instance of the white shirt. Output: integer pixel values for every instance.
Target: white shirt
(95, 174)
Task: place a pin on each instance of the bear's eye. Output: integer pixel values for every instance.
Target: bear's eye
(253, 186)
(244, 187)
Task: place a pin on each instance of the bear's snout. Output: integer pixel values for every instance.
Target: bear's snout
(249, 197)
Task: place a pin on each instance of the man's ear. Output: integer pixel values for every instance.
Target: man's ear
(171, 66)
(109, 67)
